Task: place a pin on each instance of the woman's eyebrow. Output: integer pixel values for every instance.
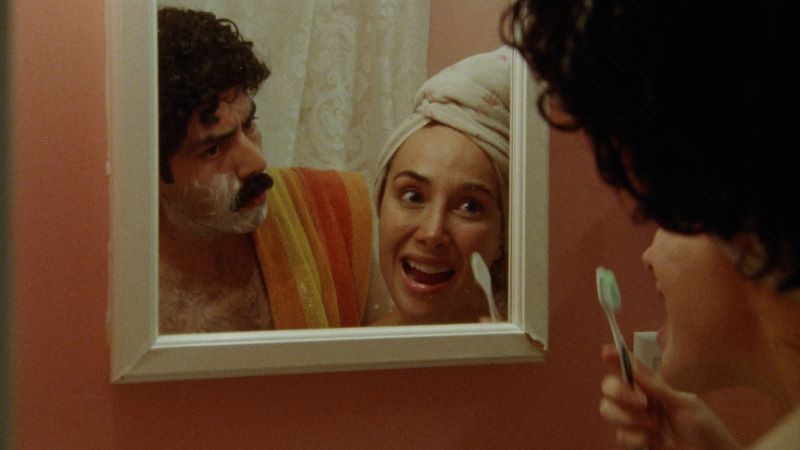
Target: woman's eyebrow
(411, 174)
(468, 186)
(479, 187)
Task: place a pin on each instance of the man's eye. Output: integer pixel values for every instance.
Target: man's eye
(250, 124)
(212, 151)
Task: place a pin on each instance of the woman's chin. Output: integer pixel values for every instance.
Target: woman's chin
(432, 304)
(414, 314)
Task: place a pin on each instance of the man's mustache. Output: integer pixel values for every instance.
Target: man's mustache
(252, 187)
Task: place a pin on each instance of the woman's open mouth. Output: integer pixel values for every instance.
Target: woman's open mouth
(427, 274)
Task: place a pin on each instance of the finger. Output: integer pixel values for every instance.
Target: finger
(644, 378)
(610, 355)
(618, 416)
(635, 439)
(610, 348)
(620, 392)
(653, 386)
(611, 358)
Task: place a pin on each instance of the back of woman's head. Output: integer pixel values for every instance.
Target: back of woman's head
(691, 108)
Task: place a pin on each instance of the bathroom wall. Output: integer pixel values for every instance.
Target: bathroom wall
(460, 29)
(62, 398)
(5, 212)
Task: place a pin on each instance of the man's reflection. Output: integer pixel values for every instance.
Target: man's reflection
(443, 194)
(226, 263)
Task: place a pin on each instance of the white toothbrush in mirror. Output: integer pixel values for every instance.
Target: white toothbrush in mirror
(484, 279)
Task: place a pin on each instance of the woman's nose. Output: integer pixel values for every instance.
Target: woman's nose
(249, 159)
(647, 254)
(432, 229)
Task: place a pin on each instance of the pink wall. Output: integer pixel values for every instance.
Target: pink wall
(459, 29)
(62, 395)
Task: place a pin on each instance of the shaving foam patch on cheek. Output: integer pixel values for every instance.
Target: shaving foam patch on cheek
(219, 194)
(222, 201)
(206, 209)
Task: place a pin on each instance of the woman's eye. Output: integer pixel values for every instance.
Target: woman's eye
(411, 196)
(471, 207)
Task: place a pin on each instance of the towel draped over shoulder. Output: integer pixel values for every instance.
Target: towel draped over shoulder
(314, 248)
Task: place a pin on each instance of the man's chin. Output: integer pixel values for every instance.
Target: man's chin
(213, 227)
(241, 222)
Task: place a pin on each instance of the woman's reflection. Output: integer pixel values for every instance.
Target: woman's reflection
(442, 194)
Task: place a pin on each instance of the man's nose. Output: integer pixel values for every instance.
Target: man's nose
(249, 159)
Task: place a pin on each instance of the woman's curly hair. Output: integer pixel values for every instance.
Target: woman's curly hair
(690, 108)
(199, 57)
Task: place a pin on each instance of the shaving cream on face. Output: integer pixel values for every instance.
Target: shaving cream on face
(209, 209)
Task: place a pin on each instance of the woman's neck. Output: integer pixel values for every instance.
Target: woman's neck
(780, 322)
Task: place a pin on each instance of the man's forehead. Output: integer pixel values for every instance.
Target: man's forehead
(240, 105)
(232, 99)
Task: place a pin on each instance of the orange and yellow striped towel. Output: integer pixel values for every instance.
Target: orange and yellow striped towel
(314, 248)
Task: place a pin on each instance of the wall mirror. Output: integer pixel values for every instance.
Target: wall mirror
(140, 353)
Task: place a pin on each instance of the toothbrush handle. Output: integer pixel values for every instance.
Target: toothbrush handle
(625, 365)
(624, 355)
(627, 370)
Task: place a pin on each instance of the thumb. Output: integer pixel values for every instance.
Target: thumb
(654, 387)
(650, 383)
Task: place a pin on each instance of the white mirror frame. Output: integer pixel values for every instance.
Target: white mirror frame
(139, 354)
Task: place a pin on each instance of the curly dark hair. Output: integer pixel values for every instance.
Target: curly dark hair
(199, 57)
(690, 108)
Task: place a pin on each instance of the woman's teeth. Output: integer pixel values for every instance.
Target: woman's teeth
(428, 268)
(427, 273)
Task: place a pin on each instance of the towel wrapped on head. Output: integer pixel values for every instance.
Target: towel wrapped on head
(471, 96)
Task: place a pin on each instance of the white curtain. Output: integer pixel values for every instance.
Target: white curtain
(344, 73)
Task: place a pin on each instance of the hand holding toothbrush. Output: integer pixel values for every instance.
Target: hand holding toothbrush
(646, 412)
(655, 416)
